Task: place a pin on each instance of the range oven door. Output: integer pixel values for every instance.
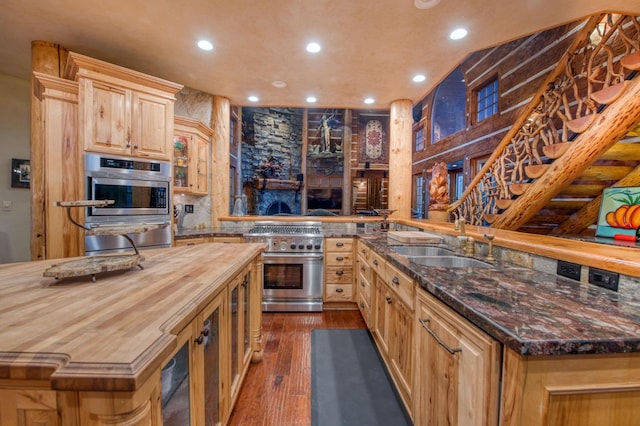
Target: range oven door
(132, 196)
(292, 282)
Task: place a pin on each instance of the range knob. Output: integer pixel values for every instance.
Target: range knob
(300, 246)
(317, 247)
(309, 246)
(293, 246)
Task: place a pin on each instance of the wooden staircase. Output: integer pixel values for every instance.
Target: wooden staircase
(579, 135)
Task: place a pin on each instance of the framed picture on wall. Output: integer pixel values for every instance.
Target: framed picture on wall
(20, 173)
(619, 212)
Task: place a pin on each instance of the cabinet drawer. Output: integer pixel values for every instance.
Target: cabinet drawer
(339, 293)
(378, 264)
(338, 244)
(364, 288)
(400, 284)
(364, 251)
(190, 241)
(362, 267)
(339, 259)
(338, 275)
(365, 310)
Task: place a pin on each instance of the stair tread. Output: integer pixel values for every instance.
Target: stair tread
(534, 171)
(518, 188)
(556, 150)
(631, 61)
(610, 94)
(504, 203)
(579, 125)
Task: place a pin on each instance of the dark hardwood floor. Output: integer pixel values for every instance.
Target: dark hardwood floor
(277, 391)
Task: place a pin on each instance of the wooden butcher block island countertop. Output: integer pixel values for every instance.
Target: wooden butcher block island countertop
(111, 335)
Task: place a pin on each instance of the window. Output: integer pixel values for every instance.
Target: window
(418, 191)
(419, 137)
(487, 100)
(449, 106)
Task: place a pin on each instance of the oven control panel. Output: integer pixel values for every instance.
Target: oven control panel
(294, 244)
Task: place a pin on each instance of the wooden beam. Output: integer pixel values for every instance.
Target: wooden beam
(611, 126)
(220, 159)
(588, 215)
(400, 150)
(623, 152)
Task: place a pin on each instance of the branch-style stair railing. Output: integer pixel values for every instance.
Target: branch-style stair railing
(597, 69)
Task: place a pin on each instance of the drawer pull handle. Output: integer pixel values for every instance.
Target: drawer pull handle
(389, 301)
(339, 290)
(339, 272)
(362, 268)
(375, 262)
(339, 244)
(364, 251)
(361, 305)
(362, 283)
(425, 325)
(339, 258)
(395, 280)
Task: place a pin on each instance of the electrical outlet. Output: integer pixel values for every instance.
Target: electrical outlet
(569, 270)
(188, 208)
(602, 278)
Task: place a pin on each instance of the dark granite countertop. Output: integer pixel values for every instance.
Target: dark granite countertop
(207, 232)
(531, 312)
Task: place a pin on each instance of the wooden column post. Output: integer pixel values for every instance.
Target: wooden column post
(347, 200)
(220, 159)
(47, 58)
(400, 144)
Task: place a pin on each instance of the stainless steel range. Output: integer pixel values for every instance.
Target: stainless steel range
(293, 265)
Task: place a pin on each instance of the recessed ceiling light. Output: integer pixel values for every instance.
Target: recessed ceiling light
(425, 4)
(205, 45)
(369, 100)
(458, 34)
(311, 99)
(313, 47)
(253, 98)
(418, 78)
(279, 84)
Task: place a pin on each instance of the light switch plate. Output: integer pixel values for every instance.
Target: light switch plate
(7, 205)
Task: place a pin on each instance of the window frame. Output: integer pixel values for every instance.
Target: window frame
(475, 93)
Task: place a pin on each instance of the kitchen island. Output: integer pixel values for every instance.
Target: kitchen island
(75, 352)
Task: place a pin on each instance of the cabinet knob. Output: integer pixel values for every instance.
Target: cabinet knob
(199, 339)
(395, 280)
(339, 272)
(339, 290)
(339, 244)
(362, 268)
(362, 305)
(375, 262)
(135, 147)
(389, 301)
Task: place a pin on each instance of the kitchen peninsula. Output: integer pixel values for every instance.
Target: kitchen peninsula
(75, 352)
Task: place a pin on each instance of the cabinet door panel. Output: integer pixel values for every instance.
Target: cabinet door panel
(107, 118)
(176, 409)
(153, 129)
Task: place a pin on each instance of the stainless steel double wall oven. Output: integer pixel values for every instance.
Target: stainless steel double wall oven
(142, 194)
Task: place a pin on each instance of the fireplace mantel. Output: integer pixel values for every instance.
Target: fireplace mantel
(283, 184)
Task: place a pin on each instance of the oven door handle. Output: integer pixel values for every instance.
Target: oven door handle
(292, 257)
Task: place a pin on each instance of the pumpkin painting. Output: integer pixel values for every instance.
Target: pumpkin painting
(627, 215)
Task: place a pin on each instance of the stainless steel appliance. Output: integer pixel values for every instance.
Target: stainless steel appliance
(141, 191)
(293, 265)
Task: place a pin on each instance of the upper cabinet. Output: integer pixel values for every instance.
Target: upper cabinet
(123, 112)
(191, 156)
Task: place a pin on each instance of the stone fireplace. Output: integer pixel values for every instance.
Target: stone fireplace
(271, 159)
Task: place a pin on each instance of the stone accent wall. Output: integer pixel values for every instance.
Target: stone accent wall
(272, 133)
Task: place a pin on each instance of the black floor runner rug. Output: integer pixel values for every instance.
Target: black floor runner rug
(349, 382)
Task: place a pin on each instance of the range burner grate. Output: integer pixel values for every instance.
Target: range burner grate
(277, 228)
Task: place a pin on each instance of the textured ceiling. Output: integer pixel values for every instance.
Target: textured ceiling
(370, 48)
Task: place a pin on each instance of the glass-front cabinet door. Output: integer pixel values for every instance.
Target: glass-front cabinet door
(211, 343)
(181, 146)
(176, 385)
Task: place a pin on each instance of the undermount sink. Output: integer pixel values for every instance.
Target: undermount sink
(421, 251)
(449, 261)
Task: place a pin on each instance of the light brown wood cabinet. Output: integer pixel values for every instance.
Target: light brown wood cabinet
(338, 271)
(123, 112)
(458, 368)
(191, 156)
(385, 299)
